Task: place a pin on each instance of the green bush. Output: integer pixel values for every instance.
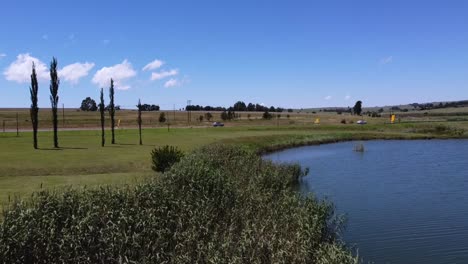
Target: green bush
(266, 115)
(164, 157)
(162, 117)
(217, 205)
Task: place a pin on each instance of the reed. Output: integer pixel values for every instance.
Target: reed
(219, 204)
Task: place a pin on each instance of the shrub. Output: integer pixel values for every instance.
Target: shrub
(267, 115)
(162, 117)
(164, 157)
(208, 116)
(224, 115)
(343, 121)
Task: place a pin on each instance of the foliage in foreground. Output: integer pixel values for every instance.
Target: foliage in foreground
(217, 205)
(164, 157)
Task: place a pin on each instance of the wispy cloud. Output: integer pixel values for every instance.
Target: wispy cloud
(176, 82)
(2, 55)
(347, 97)
(74, 72)
(119, 72)
(45, 37)
(106, 42)
(172, 83)
(20, 70)
(386, 60)
(153, 65)
(328, 97)
(71, 36)
(163, 74)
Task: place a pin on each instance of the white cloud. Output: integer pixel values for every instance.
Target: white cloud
(347, 97)
(153, 65)
(119, 72)
(2, 55)
(73, 72)
(20, 70)
(328, 97)
(172, 83)
(163, 74)
(386, 60)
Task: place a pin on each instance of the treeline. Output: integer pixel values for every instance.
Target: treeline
(147, 107)
(237, 107)
(88, 104)
(338, 110)
(428, 106)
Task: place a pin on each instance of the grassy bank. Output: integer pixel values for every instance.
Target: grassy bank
(82, 161)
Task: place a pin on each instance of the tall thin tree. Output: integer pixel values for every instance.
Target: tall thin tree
(112, 109)
(139, 119)
(54, 98)
(34, 108)
(102, 108)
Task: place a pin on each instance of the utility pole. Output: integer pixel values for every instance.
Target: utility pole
(17, 125)
(63, 114)
(174, 113)
(189, 102)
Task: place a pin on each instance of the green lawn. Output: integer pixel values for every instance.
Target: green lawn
(81, 161)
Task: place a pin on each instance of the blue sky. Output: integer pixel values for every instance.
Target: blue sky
(282, 53)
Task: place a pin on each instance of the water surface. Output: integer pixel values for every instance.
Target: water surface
(405, 201)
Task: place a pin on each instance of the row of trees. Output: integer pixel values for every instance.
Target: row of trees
(239, 106)
(88, 104)
(54, 99)
(428, 106)
(102, 111)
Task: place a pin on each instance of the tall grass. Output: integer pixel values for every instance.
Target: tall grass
(217, 205)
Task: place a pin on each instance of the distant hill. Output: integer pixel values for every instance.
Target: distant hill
(396, 108)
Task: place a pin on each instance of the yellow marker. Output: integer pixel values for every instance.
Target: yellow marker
(317, 121)
(118, 123)
(392, 119)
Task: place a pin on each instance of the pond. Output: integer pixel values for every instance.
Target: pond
(404, 201)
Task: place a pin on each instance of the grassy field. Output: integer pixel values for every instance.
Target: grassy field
(82, 161)
(74, 119)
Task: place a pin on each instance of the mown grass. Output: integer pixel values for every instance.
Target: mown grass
(82, 161)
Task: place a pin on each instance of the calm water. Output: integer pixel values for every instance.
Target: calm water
(405, 201)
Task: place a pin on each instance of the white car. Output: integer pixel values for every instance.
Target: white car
(361, 122)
